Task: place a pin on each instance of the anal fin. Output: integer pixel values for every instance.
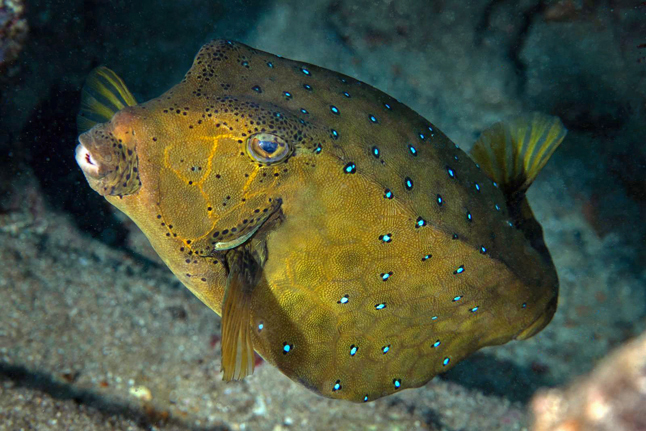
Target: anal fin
(237, 347)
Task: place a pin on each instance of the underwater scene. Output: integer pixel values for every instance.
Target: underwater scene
(324, 215)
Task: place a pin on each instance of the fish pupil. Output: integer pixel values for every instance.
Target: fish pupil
(269, 147)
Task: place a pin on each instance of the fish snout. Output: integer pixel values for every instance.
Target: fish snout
(90, 159)
(109, 162)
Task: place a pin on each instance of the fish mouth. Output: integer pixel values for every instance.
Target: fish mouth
(86, 162)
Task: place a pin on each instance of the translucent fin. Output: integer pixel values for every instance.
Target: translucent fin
(237, 349)
(104, 94)
(513, 153)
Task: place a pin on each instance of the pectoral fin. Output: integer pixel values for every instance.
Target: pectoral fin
(237, 347)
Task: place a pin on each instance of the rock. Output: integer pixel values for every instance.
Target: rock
(13, 32)
(611, 398)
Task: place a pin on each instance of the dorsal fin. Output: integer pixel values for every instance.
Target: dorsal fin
(104, 94)
(513, 153)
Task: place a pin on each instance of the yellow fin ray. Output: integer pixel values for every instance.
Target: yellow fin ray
(104, 94)
(513, 153)
(237, 347)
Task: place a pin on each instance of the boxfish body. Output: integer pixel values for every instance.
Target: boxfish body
(337, 232)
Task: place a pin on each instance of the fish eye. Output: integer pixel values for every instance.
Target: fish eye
(267, 148)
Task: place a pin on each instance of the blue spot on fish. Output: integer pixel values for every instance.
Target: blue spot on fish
(385, 276)
(437, 343)
(446, 361)
(380, 306)
(304, 111)
(353, 350)
(408, 183)
(305, 71)
(412, 150)
(420, 222)
(397, 383)
(337, 386)
(287, 348)
(460, 270)
(346, 94)
(350, 168)
(334, 109)
(385, 349)
(385, 238)
(440, 201)
(457, 298)
(373, 118)
(387, 106)
(375, 152)
(344, 300)
(474, 309)
(388, 194)
(260, 326)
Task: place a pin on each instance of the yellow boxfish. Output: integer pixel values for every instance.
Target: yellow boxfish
(338, 233)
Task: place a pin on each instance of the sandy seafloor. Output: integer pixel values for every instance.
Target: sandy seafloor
(95, 333)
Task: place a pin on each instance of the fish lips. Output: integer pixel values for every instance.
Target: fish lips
(94, 163)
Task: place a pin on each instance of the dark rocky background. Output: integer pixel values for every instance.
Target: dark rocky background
(96, 333)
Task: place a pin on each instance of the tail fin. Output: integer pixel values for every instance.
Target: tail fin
(513, 153)
(104, 94)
